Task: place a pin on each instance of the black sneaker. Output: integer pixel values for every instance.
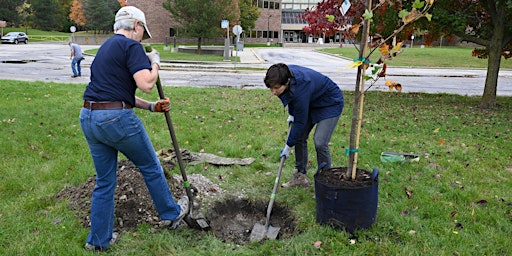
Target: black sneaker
(113, 240)
(174, 224)
(73, 76)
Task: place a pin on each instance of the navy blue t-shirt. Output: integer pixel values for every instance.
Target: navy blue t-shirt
(113, 68)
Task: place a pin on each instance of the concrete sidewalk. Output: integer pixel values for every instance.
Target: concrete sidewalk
(248, 56)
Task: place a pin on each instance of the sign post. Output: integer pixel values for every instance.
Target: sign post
(3, 23)
(237, 30)
(225, 24)
(73, 30)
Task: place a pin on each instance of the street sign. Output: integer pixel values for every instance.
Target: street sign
(344, 7)
(3, 23)
(72, 29)
(237, 30)
(224, 24)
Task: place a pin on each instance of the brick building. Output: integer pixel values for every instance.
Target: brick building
(278, 22)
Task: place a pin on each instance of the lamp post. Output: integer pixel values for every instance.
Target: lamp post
(268, 30)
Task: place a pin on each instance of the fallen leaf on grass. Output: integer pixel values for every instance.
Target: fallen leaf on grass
(318, 244)
(409, 194)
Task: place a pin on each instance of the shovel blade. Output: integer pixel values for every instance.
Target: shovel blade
(197, 222)
(260, 232)
(272, 232)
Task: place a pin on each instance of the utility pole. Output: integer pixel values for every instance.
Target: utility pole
(268, 30)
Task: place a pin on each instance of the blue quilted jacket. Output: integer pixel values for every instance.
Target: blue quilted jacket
(311, 94)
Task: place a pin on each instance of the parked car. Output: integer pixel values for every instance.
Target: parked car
(15, 38)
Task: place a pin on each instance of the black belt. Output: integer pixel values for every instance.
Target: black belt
(111, 105)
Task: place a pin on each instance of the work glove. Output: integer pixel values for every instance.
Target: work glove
(290, 120)
(160, 106)
(154, 57)
(285, 152)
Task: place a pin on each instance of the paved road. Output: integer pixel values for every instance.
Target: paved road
(50, 63)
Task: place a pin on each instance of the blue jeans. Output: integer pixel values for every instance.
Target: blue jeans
(323, 134)
(108, 132)
(76, 62)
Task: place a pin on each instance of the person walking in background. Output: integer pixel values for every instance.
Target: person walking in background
(76, 59)
(312, 99)
(110, 125)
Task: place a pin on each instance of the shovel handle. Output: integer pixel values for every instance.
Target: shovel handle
(174, 141)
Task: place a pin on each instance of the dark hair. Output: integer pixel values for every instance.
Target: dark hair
(277, 74)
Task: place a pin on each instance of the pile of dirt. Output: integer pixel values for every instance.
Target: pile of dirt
(133, 204)
(231, 217)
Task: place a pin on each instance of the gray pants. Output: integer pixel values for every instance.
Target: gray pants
(323, 133)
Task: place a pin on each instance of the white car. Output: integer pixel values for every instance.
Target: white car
(15, 38)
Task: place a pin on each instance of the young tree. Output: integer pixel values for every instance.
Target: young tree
(484, 22)
(326, 18)
(202, 19)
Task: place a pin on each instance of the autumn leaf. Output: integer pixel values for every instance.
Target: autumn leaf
(413, 15)
(408, 193)
(354, 29)
(384, 49)
(393, 85)
(382, 73)
(329, 17)
(398, 47)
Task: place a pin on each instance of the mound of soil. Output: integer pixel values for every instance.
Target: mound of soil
(133, 204)
(231, 219)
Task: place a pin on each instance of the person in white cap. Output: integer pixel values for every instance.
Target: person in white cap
(110, 125)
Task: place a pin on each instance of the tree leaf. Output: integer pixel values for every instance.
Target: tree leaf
(428, 16)
(403, 13)
(418, 4)
(329, 17)
(368, 15)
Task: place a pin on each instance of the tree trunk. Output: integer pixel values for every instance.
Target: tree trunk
(495, 48)
(199, 45)
(357, 109)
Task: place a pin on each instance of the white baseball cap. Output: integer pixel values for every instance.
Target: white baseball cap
(132, 12)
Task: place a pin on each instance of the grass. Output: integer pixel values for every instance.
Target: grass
(456, 57)
(460, 205)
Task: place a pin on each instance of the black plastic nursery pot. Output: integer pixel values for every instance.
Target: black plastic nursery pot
(346, 206)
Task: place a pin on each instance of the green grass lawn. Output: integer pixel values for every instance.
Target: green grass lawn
(450, 56)
(460, 205)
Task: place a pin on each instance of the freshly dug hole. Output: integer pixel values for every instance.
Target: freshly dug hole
(233, 219)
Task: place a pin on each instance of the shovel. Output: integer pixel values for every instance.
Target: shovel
(198, 221)
(259, 231)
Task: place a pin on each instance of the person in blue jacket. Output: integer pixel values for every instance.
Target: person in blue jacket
(312, 99)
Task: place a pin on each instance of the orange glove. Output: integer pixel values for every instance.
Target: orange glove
(160, 105)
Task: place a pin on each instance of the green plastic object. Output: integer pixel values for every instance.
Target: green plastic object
(391, 157)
